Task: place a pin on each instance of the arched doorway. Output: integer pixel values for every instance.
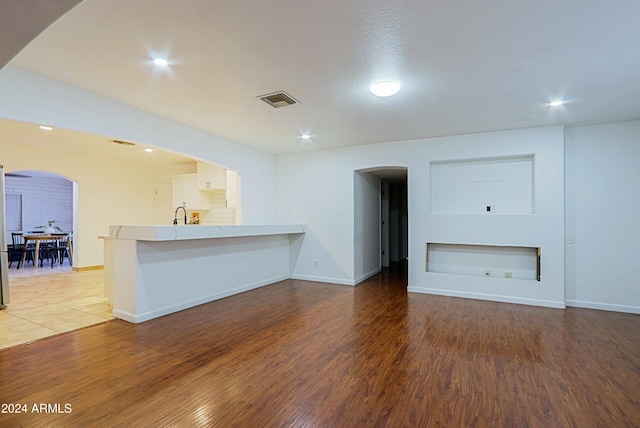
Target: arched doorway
(45, 301)
(37, 200)
(381, 219)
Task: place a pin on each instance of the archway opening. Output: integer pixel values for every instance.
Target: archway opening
(40, 203)
(381, 220)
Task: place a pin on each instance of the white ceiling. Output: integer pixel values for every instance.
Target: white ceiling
(82, 143)
(465, 66)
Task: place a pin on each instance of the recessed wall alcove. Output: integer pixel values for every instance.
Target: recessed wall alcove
(492, 261)
(492, 185)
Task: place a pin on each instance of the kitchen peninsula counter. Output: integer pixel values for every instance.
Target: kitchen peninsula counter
(181, 232)
(155, 270)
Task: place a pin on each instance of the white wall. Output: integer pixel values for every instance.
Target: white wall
(317, 189)
(603, 210)
(109, 192)
(32, 98)
(367, 246)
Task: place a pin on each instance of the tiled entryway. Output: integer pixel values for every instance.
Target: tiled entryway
(46, 302)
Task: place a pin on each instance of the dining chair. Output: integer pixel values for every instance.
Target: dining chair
(47, 250)
(19, 252)
(60, 248)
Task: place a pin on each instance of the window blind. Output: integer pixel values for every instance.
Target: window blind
(14, 212)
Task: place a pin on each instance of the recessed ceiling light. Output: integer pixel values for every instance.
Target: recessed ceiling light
(556, 103)
(385, 88)
(305, 136)
(160, 62)
(148, 150)
(46, 128)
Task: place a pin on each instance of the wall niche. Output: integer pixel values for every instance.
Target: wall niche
(493, 185)
(492, 261)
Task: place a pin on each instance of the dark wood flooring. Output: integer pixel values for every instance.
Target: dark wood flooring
(303, 354)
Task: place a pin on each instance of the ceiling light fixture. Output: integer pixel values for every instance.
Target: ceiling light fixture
(385, 88)
(46, 128)
(160, 62)
(556, 103)
(305, 136)
(148, 150)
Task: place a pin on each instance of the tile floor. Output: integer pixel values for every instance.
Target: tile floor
(46, 302)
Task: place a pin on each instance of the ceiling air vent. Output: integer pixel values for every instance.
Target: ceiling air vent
(123, 143)
(278, 99)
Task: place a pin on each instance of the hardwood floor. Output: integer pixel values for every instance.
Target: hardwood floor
(305, 354)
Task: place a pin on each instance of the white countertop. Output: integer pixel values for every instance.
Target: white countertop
(182, 232)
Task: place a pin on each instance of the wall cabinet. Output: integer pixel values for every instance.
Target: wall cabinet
(213, 190)
(211, 177)
(186, 193)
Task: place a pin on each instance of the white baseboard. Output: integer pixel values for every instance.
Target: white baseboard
(367, 275)
(126, 316)
(340, 281)
(146, 316)
(489, 297)
(329, 280)
(603, 306)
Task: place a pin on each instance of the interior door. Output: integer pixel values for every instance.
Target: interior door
(163, 203)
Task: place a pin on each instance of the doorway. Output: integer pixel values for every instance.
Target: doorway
(47, 300)
(163, 210)
(395, 219)
(38, 201)
(381, 220)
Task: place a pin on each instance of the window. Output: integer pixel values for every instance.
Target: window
(14, 211)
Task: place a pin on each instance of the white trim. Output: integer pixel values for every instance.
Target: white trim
(490, 297)
(195, 302)
(603, 306)
(367, 275)
(324, 279)
(126, 316)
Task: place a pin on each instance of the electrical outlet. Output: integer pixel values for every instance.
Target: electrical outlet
(487, 273)
(507, 274)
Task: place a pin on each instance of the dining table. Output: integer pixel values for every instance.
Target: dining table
(39, 237)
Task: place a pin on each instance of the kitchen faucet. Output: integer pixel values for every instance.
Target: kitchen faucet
(175, 218)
